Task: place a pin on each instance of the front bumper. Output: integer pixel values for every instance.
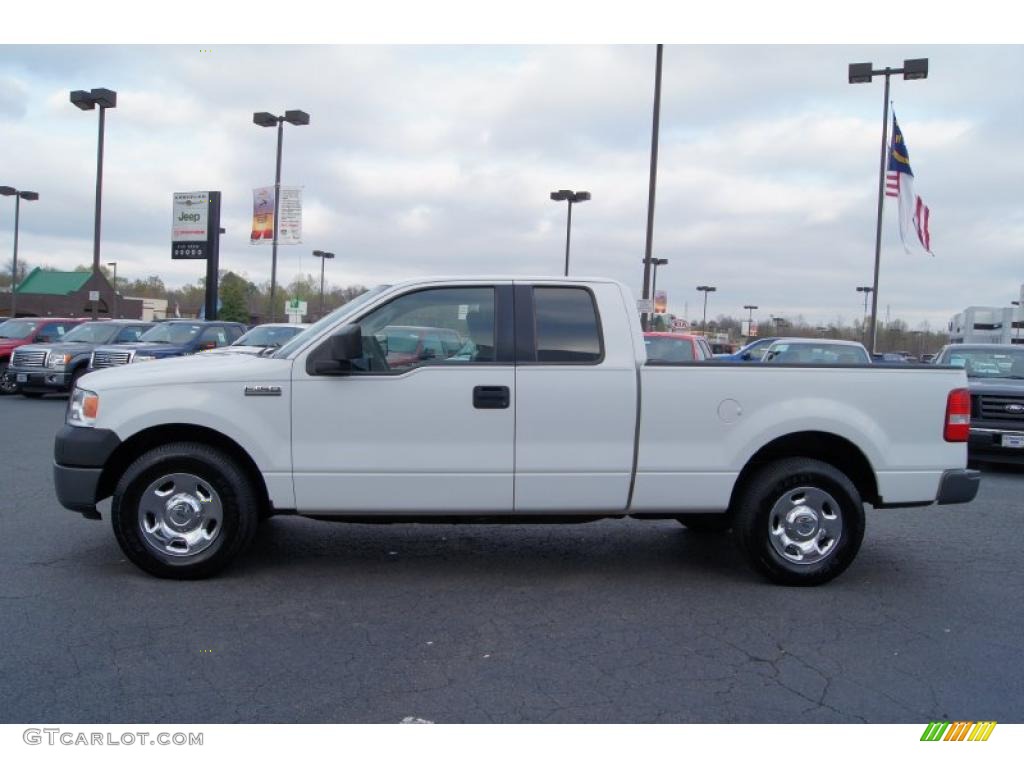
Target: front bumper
(958, 486)
(79, 456)
(986, 443)
(38, 379)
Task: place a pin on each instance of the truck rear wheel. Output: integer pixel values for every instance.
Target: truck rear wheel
(799, 521)
(184, 511)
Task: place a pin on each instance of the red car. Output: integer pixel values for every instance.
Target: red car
(664, 347)
(19, 331)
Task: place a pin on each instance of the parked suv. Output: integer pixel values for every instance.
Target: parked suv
(172, 338)
(20, 331)
(55, 367)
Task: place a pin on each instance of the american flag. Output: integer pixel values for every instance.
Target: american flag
(899, 183)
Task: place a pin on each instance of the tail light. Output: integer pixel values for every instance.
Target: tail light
(958, 416)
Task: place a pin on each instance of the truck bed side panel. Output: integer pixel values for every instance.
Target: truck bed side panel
(701, 424)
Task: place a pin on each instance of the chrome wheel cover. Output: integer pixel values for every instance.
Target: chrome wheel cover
(805, 525)
(180, 515)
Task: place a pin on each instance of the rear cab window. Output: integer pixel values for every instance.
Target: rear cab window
(567, 326)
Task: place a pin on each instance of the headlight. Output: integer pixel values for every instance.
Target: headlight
(57, 362)
(143, 358)
(83, 408)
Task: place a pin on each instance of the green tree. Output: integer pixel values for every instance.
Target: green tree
(234, 295)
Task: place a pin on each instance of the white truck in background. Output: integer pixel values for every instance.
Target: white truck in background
(547, 411)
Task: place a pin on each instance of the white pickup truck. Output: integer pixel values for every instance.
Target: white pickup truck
(540, 407)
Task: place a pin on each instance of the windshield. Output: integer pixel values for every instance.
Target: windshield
(172, 333)
(268, 336)
(834, 354)
(325, 322)
(665, 349)
(987, 363)
(17, 329)
(92, 333)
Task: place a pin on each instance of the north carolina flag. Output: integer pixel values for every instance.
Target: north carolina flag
(914, 216)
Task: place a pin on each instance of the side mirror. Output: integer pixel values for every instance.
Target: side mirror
(745, 356)
(342, 348)
(347, 344)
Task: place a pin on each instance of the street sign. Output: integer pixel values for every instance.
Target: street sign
(295, 310)
(645, 306)
(94, 295)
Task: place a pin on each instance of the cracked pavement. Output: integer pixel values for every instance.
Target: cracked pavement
(616, 621)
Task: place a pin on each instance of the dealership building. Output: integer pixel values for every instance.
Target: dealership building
(987, 325)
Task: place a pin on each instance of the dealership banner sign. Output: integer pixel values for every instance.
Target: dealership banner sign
(660, 302)
(190, 225)
(289, 212)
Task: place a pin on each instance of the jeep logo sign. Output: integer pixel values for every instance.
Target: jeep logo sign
(190, 217)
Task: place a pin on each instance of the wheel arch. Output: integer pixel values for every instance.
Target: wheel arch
(824, 446)
(129, 450)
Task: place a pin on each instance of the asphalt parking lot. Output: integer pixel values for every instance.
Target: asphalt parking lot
(617, 621)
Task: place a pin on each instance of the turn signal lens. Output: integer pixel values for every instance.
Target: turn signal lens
(958, 416)
(83, 408)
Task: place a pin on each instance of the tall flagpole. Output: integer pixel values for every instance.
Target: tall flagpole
(878, 225)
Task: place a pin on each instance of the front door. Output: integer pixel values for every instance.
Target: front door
(425, 423)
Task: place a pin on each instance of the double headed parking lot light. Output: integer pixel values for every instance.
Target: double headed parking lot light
(570, 197)
(269, 120)
(18, 195)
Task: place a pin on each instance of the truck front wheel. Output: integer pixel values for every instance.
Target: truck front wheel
(184, 511)
(799, 521)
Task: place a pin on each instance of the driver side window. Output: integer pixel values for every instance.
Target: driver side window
(437, 326)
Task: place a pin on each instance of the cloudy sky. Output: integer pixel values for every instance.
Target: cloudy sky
(439, 160)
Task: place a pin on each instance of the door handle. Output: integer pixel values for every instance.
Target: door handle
(491, 397)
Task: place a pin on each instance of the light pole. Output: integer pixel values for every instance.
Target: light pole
(323, 256)
(19, 195)
(750, 318)
(652, 181)
(706, 289)
(1016, 323)
(105, 99)
(867, 290)
(267, 120)
(114, 265)
(912, 69)
(570, 197)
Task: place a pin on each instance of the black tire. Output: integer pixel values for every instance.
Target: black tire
(706, 523)
(78, 373)
(753, 524)
(32, 395)
(238, 499)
